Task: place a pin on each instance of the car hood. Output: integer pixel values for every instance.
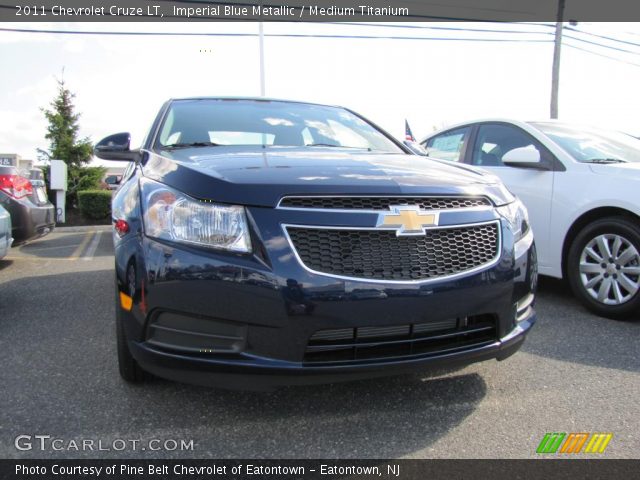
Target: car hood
(262, 176)
(630, 170)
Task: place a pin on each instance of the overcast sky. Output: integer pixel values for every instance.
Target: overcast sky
(120, 82)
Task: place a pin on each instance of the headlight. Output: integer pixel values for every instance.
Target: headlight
(172, 215)
(516, 214)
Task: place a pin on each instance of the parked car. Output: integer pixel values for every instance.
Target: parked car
(240, 215)
(580, 186)
(113, 181)
(24, 195)
(5, 232)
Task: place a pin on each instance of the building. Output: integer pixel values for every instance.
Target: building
(15, 160)
(115, 171)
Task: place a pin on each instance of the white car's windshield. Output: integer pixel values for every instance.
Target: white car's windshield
(592, 146)
(220, 122)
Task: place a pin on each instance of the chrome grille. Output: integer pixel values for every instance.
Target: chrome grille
(350, 345)
(383, 203)
(382, 255)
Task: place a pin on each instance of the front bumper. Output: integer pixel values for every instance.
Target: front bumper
(257, 373)
(267, 314)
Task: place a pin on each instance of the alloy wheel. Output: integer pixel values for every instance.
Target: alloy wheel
(610, 269)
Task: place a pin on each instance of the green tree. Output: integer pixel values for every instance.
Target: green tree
(62, 131)
(85, 178)
(64, 144)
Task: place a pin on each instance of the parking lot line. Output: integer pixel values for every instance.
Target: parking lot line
(37, 259)
(76, 253)
(55, 247)
(93, 246)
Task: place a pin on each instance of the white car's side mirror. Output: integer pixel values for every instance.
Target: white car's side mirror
(415, 147)
(522, 157)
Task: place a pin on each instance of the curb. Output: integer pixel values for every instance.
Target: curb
(84, 228)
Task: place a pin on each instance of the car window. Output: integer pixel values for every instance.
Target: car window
(587, 144)
(269, 123)
(241, 138)
(168, 134)
(36, 174)
(495, 140)
(448, 145)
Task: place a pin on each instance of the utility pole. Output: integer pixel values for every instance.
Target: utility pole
(555, 73)
(262, 82)
(263, 88)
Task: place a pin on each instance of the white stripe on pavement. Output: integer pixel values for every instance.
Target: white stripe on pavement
(93, 246)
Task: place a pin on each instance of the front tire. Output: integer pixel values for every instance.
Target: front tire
(129, 368)
(604, 267)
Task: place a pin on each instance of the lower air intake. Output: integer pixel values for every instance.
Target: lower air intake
(353, 345)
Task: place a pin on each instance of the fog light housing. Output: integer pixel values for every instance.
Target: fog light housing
(195, 335)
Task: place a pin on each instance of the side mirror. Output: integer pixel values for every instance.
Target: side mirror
(116, 147)
(526, 157)
(415, 148)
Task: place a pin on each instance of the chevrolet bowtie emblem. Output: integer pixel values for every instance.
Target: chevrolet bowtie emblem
(408, 220)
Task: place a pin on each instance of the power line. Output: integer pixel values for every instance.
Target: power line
(506, 31)
(95, 32)
(430, 27)
(626, 32)
(345, 36)
(602, 36)
(275, 35)
(602, 55)
(383, 25)
(624, 50)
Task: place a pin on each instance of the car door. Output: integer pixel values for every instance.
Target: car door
(534, 186)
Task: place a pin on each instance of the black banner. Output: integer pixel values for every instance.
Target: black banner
(318, 469)
(314, 11)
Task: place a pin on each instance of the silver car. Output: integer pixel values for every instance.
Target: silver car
(5, 232)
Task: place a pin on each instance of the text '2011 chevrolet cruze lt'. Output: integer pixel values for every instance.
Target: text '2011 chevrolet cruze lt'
(261, 243)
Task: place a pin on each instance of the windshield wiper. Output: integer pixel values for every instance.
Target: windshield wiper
(334, 146)
(191, 145)
(605, 160)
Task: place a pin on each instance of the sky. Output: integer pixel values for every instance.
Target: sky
(453, 75)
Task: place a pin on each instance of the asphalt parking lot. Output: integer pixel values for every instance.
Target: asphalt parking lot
(576, 373)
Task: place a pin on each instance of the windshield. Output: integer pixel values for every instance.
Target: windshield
(587, 144)
(219, 122)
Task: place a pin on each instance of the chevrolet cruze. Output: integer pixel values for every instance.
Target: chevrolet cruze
(261, 243)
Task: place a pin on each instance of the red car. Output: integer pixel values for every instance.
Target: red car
(24, 196)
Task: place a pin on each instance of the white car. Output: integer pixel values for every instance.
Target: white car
(582, 188)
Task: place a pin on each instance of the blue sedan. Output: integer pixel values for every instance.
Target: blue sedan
(261, 243)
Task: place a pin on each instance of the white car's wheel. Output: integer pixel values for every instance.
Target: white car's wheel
(604, 267)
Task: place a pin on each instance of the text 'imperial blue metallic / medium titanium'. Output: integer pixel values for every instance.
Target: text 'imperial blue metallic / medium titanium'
(261, 243)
